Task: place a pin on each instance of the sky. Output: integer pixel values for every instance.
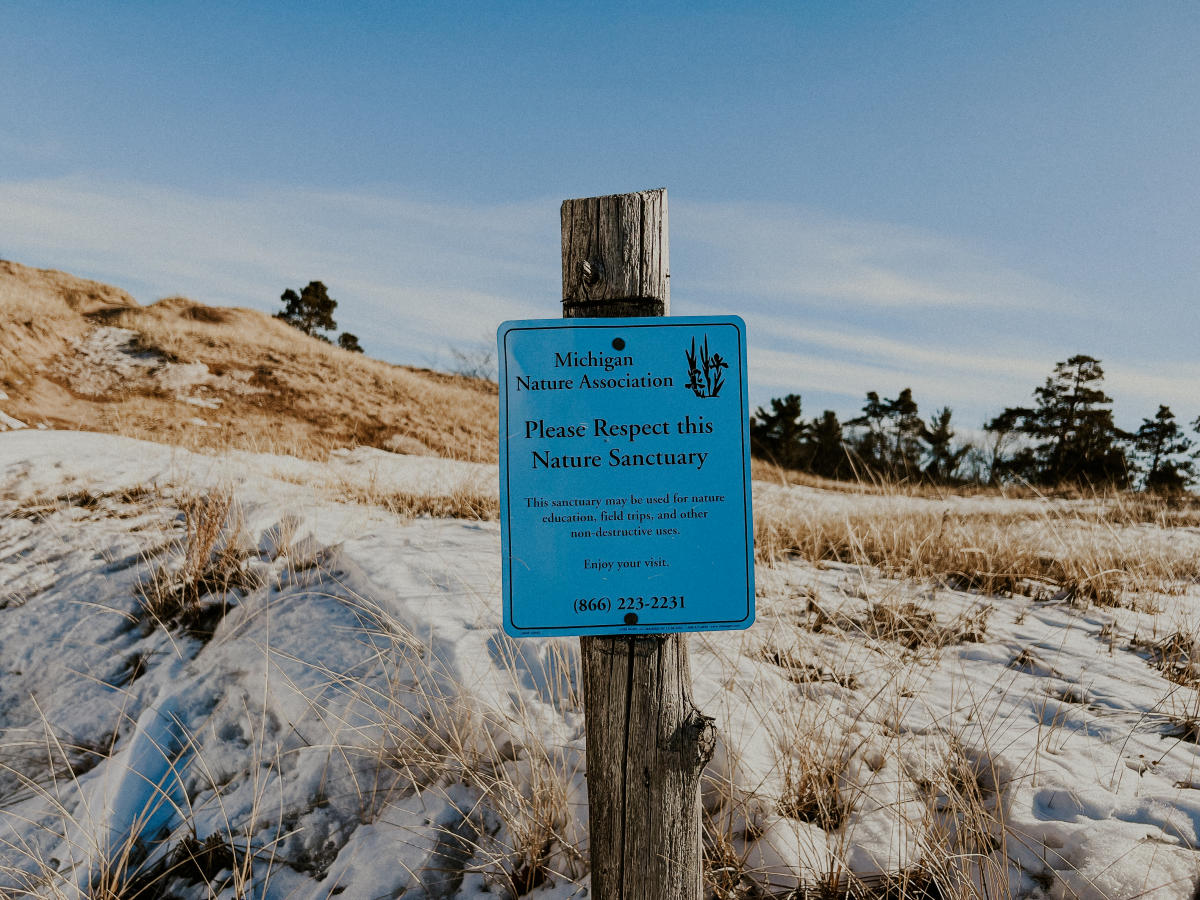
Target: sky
(944, 196)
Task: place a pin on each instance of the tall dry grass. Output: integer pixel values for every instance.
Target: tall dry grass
(1109, 551)
(304, 396)
(268, 387)
(41, 311)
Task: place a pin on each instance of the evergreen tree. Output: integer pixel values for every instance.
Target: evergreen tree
(1074, 420)
(1073, 437)
(872, 444)
(891, 443)
(778, 435)
(311, 310)
(944, 458)
(827, 449)
(1158, 443)
(348, 341)
(908, 430)
(1004, 430)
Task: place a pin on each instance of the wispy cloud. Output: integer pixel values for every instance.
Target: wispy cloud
(839, 307)
(408, 275)
(976, 385)
(835, 307)
(800, 254)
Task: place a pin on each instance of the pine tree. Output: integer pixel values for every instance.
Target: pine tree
(907, 429)
(872, 444)
(1073, 437)
(311, 310)
(1074, 420)
(944, 457)
(1159, 442)
(348, 341)
(827, 450)
(1004, 430)
(778, 435)
(891, 443)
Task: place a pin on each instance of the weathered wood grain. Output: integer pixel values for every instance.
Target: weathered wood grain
(615, 252)
(646, 741)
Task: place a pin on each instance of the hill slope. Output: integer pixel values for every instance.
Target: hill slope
(79, 354)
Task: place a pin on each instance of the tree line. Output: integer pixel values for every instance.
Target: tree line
(1066, 438)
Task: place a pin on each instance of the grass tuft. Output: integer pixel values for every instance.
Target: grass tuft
(209, 564)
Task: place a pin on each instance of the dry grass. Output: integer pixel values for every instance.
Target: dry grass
(1177, 656)
(265, 386)
(517, 827)
(208, 562)
(828, 775)
(41, 310)
(966, 826)
(28, 293)
(414, 729)
(1085, 552)
(301, 396)
(1170, 511)
(463, 503)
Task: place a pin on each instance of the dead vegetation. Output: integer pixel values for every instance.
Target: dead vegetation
(218, 378)
(1082, 552)
(464, 503)
(193, 588)
(40, 311)
(1177, 656)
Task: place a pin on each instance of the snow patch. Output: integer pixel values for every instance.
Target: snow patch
(8, 423)
(109, 359)
(311, 723)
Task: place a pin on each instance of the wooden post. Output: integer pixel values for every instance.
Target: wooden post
(646, 742)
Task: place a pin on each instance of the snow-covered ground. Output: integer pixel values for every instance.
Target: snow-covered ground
(341, 714)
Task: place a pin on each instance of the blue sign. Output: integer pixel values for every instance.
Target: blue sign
(625, 476)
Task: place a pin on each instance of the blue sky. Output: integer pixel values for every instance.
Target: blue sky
(945, 196)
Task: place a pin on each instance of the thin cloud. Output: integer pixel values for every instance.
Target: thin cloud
(788, 372)
(405, 273)
(901, 356)
(835, 307)
(800, 255)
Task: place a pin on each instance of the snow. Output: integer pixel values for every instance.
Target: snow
(357, 723)
(7, 422)
(108, 359)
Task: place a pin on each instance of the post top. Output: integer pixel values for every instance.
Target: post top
(661, 190)
(615, 255)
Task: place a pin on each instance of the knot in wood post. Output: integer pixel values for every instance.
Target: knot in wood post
(615, 252)
(590, 272)
(696, 738)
